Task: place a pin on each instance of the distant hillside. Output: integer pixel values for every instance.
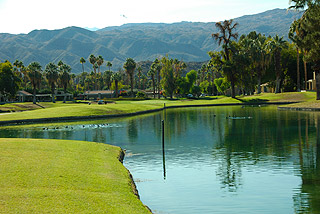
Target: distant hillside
(187, 41)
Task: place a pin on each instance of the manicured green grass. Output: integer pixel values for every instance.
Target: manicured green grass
(71, 109)
(60, 176)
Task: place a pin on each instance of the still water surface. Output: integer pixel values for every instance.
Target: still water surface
(217, 159)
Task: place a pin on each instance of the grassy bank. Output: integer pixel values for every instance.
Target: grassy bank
(59, 176)
(50, 110)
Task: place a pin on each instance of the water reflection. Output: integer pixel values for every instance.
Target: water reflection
(248, 157)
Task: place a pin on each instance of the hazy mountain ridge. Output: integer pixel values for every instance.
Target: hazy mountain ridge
(188, 41)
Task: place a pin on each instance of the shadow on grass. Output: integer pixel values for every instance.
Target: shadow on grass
(255, 100)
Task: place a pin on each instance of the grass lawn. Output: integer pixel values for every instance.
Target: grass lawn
(60, 176)
(71, 109)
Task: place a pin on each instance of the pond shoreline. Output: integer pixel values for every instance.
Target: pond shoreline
(298, 108)
(121, 157)
(75, 118)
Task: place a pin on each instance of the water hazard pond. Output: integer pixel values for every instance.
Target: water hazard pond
(217, 159)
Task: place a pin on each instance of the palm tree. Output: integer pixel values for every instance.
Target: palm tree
(116, 77)
(52, 75)
(256, 48)
(151, 73)
(109, 64)
(225, 35)
(35, 75)
(130, 66)
(157, 68)
(65, 78)
(100, 61)
(294, 36)
(144, 80)
(93, 61)
(82, 61)
(276, 45)
(139, 69)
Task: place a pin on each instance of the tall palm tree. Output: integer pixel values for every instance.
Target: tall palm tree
(93, 61)
(276, 45)
(225, 35)
(52, 75)
(157, 68)
(139, 69)
(109, 64)
(294, 36)
(65, 78)
(100, 61)
(129, 66)
(256, 48)
(116, 77)
(34, 73)
(151, 73)
(82, 61)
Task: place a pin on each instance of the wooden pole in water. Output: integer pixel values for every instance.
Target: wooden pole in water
(163, 154)
(162, 122)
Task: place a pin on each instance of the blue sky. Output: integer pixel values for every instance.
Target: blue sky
(23, 16)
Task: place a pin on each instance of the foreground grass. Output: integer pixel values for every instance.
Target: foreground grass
(130, 106)
(59, 176)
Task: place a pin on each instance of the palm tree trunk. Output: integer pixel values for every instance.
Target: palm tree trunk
(298, 71)
(116, 84)
(212, 83)
(131, 81)
(305, 74)
(52, 93)
(233, 93)
(65, 95)
(34, 95)
(278, 80)
(259, 85)
(318, 84)
(154, 87)
(277, 60)
(259, 81)
(158, 85)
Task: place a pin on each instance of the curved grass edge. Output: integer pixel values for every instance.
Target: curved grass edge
(65, 176)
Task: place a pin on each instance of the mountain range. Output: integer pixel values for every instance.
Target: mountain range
(187, 41)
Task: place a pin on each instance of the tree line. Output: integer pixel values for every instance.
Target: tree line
(242, 65)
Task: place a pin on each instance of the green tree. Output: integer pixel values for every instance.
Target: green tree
(9, 82)
(107, 78)
(144, 80)
(157, 68)
(224, 36)
(109, 64)
(295, 37)
(255, 46)
(100, 61)
(310, 26)
(130, 66)
(151, 73)
(116, 77)
(168, 80)
(65, 77)
(93, 61)
(139, 69)
(52, 75)
(82, 61)
(276, 45)
(222, 84)
(35, 75)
